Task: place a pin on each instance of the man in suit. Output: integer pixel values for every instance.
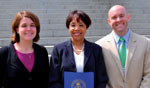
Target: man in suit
(127, 62)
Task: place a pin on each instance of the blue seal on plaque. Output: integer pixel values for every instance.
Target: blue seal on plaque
(78, 80)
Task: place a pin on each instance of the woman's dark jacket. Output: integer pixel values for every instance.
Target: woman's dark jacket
(13, 73)
(62, 60)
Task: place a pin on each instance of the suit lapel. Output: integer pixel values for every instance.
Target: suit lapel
(130, 51)
(69, 54)
(87, 52)
(114, 52)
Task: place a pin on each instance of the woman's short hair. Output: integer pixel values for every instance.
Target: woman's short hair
(16, 22)
(79, 15)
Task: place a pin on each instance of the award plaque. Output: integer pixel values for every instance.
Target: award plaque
(78, 80)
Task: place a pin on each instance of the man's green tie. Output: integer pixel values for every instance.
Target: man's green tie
(122, 52)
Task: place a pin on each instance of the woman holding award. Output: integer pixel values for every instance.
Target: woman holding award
(77, 54)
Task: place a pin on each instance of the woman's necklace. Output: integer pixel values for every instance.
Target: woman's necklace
(29, 55)
(78, 51)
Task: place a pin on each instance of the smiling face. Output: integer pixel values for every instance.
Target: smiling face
(77, 30)
(118, 19)
(26, 29)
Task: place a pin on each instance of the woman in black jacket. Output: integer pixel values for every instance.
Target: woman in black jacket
(24, 64)
(77, 54)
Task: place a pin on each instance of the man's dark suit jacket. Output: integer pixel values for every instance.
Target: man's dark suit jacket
(62, 60)
(17, 76)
